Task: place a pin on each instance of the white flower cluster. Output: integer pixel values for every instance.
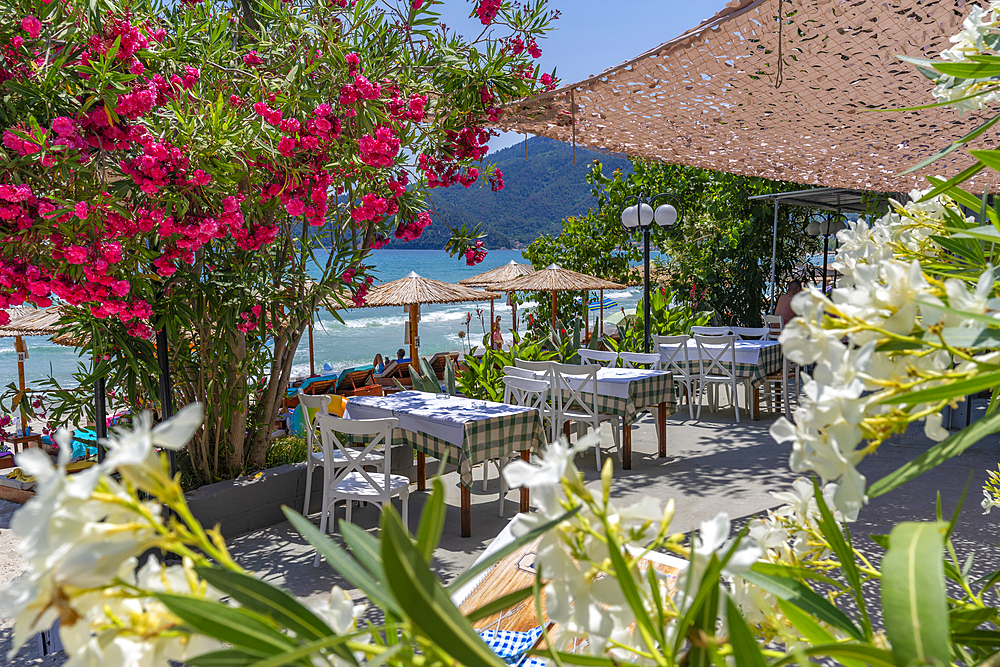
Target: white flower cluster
(881, 294)
(978, 27)
(81, 535)
(587, 604)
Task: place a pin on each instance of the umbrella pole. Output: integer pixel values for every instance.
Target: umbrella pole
(312, 358)
(602, 314)
(492, 326)
(553, 310)
(413, 335)
(513, 310)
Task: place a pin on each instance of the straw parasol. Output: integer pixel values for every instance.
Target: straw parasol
(414, 289)
(493, 278)
(26, 321)
(554, 278)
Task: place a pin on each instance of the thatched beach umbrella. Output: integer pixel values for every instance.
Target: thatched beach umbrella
(412, 290)
(493, 278)
(554, 278)
(33, 322)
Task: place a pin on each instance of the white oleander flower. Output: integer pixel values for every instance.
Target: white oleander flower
(990, 501)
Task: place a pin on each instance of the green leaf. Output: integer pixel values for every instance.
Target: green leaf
(942, 392)
(937, 454)
(914, 605)
(486, 563)
(805, 598)
(954, 145)
(977, 638)
(746, 652)
(303, 652)
(966, 620)
(225, 658)
(240, 627)
(342, 562)
(425, 602)
(431, 522)
(960, 177)
(983, 233)
(501, 603)
(364, 547)
(578, 658)
(968, 70)
(266, 599)
(876, 657)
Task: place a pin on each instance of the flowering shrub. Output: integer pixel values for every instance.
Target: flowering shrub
(158, 174)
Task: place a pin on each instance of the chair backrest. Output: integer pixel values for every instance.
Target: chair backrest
(674, 356)
(312, 404)
(775, 323)
(543, 369)
(710, 331)
(352, 378)
(330, 427)
(575, 387)
(715, 353)
(600, 357)
(318, 388)
(744, 333)
(527, 392)
(630, 359)
(514, 371)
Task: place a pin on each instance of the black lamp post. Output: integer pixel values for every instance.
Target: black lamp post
(639, 213)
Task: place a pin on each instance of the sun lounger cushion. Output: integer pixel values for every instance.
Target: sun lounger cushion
(292, 391)
(510, 645)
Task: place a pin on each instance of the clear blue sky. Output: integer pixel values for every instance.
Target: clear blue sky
(593, 35)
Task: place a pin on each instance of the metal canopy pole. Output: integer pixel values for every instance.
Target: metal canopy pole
(166, 402)
(774, 257)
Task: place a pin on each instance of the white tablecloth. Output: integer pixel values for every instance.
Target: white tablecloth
(440, 415)
(614, 381)
(747, 351)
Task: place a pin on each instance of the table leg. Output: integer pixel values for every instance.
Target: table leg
(661, 417)
(421, 471)
(524, 490)
(566, 431)
(466, 511)
(755, 404)
(626, 447)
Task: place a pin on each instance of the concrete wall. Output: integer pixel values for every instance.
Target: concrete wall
(250, 503)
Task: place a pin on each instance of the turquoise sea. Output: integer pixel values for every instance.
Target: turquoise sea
(364, 333)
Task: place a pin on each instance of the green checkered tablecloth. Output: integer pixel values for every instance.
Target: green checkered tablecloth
(500, 437)
(768, 362)
(643, 393)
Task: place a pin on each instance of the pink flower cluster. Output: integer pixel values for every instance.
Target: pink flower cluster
(487, 10)
(412, 229)
(476, 254)
(380, 150)
(251, 320)
(252, 59)
(361, 89)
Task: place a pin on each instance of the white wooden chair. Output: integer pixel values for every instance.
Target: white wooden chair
(575, 389)
(674, 357)
(774, 323)
(314, 459)
(750, 333)
(604, 358)
(353, 481)
(709, 331)
(642, 359)
(716, 352)
(538, 370)
(530, 393)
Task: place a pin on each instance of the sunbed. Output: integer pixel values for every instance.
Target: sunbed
(397, 369)
(357, 381)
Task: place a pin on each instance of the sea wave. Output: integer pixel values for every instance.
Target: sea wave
(624, 294)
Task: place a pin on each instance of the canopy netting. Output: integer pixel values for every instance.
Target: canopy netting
(793, 100)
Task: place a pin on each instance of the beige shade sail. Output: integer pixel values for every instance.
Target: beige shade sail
(414, 289)
(554, 278)
(494, 277)
(791, 100)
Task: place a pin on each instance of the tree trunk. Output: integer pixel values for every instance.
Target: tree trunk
(238, 427)
(281, 371)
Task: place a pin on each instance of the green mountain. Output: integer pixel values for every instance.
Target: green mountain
(539, 192)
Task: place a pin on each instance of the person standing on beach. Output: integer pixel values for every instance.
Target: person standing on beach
(497, 336)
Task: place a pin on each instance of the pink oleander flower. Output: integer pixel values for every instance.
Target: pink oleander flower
(81, 210)
(32, 26)
(252, 59)
(76, 255)
(295, 207)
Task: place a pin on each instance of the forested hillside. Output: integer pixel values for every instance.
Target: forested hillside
(539, 193)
